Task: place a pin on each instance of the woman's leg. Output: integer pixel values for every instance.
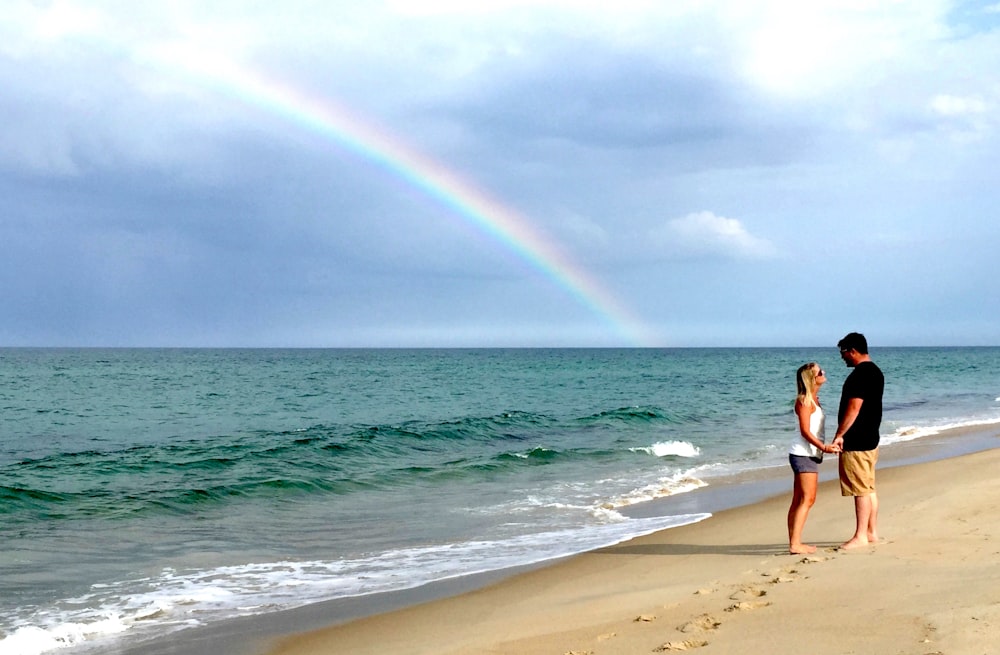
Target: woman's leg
(803, 498)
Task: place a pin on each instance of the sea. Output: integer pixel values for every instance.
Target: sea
(148, 492)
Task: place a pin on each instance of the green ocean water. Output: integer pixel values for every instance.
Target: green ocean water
(147, 491)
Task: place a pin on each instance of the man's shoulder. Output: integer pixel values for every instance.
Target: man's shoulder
(869, 367)
(868, 376)
(866, 372)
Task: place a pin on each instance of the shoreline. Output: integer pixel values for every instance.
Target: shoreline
(728, 584)
(287, 632)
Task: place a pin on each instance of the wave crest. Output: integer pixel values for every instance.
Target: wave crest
(670, 449)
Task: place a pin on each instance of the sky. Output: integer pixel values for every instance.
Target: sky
(499, 173)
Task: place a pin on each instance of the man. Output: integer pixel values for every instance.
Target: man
(858, 421)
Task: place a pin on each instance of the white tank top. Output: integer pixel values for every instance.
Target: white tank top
(817, 425)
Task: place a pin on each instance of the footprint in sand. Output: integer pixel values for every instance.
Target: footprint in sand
(815, 559)
(687, 644)
(700, 624)
(789, 575)
(746, 605)
(747, 593)
(644, 618)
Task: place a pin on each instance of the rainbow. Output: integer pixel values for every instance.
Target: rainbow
(499, 222)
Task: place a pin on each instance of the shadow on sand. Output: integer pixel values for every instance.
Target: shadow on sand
(755, 550)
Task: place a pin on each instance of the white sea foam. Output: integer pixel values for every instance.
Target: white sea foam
(534, 451)
(911, 432)
(35, 640)
(566, 499)
(670, 448)
(678, 483)
(178, 599)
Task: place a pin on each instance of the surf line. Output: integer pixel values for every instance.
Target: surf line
(376, 145)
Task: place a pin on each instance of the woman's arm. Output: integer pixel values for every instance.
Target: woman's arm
(804, 413)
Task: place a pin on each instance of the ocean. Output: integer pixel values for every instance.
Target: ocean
(149, 491)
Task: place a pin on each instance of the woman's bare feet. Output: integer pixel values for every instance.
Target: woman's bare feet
(801, 549)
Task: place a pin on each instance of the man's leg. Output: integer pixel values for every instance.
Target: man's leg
(863, 514)
(873, 519)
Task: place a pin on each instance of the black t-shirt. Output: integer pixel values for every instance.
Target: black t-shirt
(867, 383)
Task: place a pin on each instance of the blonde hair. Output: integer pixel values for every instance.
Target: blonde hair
(805, 380)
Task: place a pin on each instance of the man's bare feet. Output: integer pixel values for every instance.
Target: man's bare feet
(801, 549)
(854, 544)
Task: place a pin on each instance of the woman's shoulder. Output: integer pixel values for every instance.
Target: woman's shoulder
(808, 404)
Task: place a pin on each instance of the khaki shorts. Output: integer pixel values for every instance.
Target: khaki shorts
(857, 472)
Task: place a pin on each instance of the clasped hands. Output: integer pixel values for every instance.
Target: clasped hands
(836, 446)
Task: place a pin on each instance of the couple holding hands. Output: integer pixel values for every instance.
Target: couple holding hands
(856, 442)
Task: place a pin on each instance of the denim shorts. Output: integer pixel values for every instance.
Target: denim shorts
(802, 464)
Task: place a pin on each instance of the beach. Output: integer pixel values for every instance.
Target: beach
(223, 501)
(728, 585)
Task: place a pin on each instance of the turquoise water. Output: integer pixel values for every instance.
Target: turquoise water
(147, 491)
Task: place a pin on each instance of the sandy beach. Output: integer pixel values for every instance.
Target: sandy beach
(728, 585)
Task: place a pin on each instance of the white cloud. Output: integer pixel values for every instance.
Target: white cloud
(817, 49)
(948, 105)
(966, 119)
(704, 233)
(63, 19)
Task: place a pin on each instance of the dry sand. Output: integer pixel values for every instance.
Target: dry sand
(728, 585)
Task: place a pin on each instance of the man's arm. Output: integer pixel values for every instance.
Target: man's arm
(850, 415)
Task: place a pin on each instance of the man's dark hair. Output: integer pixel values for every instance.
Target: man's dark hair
(854, 341)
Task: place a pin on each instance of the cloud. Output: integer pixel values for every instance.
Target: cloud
(968, 118)
(948, 105)
(706, 234)
(131, 187)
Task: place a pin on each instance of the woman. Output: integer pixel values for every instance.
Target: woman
(806, 453)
